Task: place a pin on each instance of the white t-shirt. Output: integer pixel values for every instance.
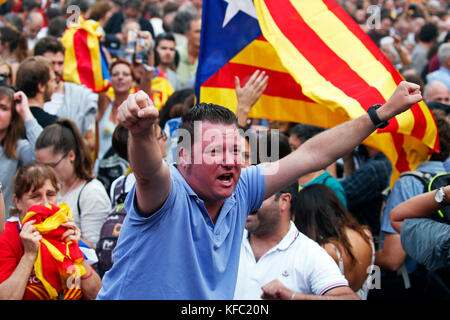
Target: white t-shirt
(94, 205)
(296, 261)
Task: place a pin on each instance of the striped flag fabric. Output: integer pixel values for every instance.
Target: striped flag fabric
(323, 70)
(84, 60)
(56, 260)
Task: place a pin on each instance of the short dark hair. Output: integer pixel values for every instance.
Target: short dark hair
(82, 4)
(176, 100)
(182, 22)
(33, 71)
(164, 36)
(292, 189)
(206, 112)
(428, 32)
(305, 131)
(47, 44)
(132, 4)
(119, 141)
(28, 5)
(57, 26)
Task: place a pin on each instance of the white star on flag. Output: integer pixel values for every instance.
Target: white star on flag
(234, 6)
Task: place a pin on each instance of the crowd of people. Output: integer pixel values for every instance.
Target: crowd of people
(206, 203)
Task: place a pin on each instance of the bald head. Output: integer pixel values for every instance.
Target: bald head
(436, 91)
(34, 23)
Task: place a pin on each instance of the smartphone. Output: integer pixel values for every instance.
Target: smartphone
(130, 49)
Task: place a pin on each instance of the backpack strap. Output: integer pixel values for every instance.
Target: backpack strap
(424, 177)
(79, 196)
(119, 191)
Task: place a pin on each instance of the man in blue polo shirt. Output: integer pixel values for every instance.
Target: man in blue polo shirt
(182, 234)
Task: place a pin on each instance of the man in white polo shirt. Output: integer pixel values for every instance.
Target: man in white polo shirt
(279, 262)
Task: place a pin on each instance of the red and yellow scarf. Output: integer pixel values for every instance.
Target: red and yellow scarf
(58, 264)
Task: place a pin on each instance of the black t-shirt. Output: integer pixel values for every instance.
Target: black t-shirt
(43, 117)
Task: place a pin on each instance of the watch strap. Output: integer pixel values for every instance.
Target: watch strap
(374, 117)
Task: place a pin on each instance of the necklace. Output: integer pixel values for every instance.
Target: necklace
(72, 186)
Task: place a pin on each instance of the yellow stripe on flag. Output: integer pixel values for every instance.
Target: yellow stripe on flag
(93, 44)
(257, 53)
(431, 134)
(282, 109)
(314, 85)
(70, 72)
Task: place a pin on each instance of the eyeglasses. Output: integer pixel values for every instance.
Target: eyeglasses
(5, 75)
(55, 164)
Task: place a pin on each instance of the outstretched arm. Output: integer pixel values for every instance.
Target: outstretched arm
(420, 206)
(326, 147)
(139, 115)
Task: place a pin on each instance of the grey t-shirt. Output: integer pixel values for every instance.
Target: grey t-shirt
(427, 241)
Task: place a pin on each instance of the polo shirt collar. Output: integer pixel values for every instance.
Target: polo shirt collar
(289, 238)
(179, 177)
(283, 245)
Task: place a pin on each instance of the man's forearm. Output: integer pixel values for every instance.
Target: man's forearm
(144, 154)
(318, 152)
(330, 145)
(420, 206)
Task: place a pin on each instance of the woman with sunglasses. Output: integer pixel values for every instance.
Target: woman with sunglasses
(62, 147)
(18, 133)
(13, 48)
(5, 73)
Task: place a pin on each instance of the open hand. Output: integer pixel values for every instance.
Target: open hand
(249, 94)
(22, 106)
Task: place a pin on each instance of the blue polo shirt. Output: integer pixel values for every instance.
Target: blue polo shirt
(178, 252)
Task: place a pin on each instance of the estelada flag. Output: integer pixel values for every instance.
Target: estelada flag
(323, 70)
(84, 60)
(56, 261)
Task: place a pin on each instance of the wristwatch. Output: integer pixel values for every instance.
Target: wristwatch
(440, 196)
(374, 117)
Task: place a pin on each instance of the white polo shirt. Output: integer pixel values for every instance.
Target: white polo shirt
(296, 261)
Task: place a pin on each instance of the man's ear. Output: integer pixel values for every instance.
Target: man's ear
(41, 87)
(285, 201)
(183, 157)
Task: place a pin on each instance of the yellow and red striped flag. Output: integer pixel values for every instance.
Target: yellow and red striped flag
(323, 70)
(84, 60)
